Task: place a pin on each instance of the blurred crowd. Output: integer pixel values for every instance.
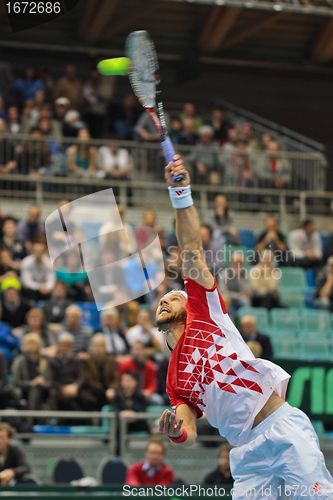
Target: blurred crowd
(53, 357)
(63, 115)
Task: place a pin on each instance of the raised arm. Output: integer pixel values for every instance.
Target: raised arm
(187, 225)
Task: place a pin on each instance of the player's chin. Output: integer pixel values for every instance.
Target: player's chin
(163, 318)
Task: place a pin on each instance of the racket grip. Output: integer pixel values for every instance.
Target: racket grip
(169, 153)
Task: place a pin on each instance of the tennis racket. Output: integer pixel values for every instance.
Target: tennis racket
(146, 84)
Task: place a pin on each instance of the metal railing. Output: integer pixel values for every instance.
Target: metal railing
(47, 157)
(139, 194)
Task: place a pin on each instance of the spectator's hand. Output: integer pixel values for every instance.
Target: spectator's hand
(38, 380)
(110, 393)
(83, 356)
(44, 289)
(169, 426)
(69, 391)
(6, 476)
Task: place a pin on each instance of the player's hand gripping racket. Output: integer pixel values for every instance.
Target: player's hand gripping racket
(145, 80)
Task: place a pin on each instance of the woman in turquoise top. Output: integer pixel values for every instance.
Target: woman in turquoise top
(82, 158)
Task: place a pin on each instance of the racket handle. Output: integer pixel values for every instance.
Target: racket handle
(169, 153)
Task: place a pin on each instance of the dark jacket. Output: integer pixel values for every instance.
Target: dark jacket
(15, 460)
(217, 477)
(265, 342)
(64, 371)
(92, 378)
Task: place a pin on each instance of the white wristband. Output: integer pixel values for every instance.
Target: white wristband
(180, 197)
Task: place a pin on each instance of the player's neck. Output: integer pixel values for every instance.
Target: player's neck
(173, 332)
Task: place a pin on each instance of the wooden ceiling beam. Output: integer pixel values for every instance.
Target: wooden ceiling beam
(322, 50)
(254, 29)
(219, 23)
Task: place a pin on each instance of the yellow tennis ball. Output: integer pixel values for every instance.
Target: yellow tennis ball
(118, 66)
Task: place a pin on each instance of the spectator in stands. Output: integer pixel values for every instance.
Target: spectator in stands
(35, 158)
(37, 274)
(222, 222)
(9, 343)
(114, 162)
(238, 170)
(145, 130)
(72, 124)
(115, 339)
(31, 373)
(82, 158)
(100, 372)
(152, 471)
(36, 323)
(73, 325)
(8, 160)
(66, 374)
(234, 282)
(175, 129)
(13, 464)
(29, 85)
(7, 264)
(69, 86)
(264, 282)
(55, 307)
(188, 135)
(249, 333)
(273, 169)
(271, 238)
(14, 120)
(229, 146)
(148, 230)
(145, 332)
(129, 400)
(31, 227)
(220, 124)
(14, 307)
(97, 93)
(61, 107)
(8, 395)
(144, 369)
(124, 117)
(306, 246)
(205, 158)
(71, 272)
(324, 291)
(222, 473)
(190, 111)
(57, 238)
(121, 242)
(213, 245)
(11, 242)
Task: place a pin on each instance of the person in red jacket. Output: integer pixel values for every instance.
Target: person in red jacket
(145, 370)
(152, 471)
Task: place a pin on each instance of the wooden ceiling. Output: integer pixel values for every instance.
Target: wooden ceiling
(190, 29)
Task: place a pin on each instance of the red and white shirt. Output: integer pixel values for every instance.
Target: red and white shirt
(212, 369)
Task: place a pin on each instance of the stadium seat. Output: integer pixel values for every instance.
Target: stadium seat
(315, 320)
(112, 471)
(286, 319)
(286, 348)
(247, 238)
(294, 277)
(260, 313)
(316, 349)
(67, 470)
(291, 296)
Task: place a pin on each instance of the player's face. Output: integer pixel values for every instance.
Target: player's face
(171, 308)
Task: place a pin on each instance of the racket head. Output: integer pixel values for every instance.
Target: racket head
(143, 67)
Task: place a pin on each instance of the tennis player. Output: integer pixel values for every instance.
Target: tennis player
(276, 451)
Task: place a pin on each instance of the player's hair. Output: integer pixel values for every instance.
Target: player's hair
(158, 442)
(7, 428)
(182, 292)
